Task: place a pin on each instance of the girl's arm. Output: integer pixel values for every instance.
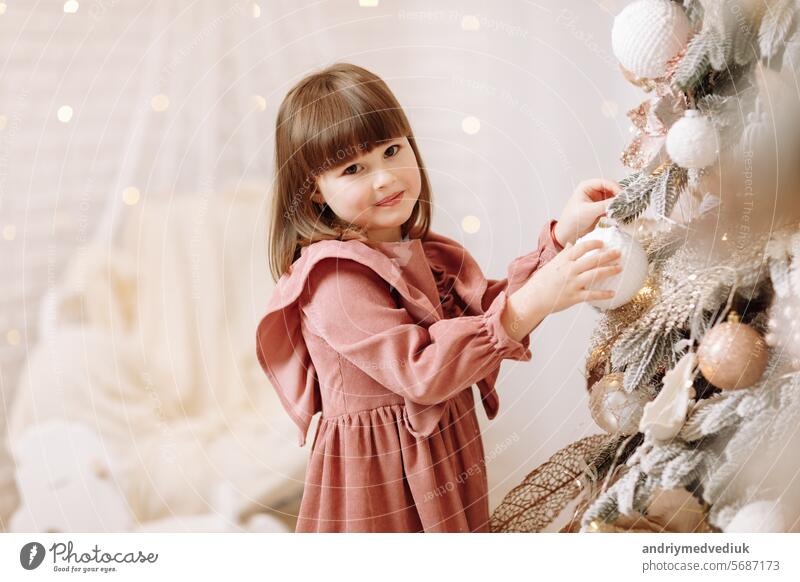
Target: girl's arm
(352, 308)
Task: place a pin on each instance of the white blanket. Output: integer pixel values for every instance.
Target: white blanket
(151, 343)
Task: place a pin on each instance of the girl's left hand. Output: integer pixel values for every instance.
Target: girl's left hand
(585, 207)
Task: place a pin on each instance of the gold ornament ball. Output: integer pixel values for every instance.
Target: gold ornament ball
(615, 410)
(732, 356)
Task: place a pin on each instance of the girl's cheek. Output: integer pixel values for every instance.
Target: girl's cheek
(411, 174)
(357, 199)
(413, 178)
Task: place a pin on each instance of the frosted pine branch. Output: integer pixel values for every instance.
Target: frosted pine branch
(776, 26)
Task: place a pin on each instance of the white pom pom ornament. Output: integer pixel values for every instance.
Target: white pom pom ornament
(692, 141)
(758, 517)
(634, 266)
(647, 34)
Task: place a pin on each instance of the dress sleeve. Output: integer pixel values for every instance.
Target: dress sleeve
(522, 268)
(353, 309)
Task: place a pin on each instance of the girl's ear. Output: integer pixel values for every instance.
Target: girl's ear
(317, 197)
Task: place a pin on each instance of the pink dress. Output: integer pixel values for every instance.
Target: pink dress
(387, 340)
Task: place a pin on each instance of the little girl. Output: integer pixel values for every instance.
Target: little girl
(384, 326)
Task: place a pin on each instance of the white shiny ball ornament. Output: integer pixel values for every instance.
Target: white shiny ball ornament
(692, 141)
(634, 266)
(784, 329)
(615, 410)
(647, 34)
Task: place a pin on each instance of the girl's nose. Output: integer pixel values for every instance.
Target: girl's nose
(381, 179)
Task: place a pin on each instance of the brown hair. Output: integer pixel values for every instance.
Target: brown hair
(326, 120)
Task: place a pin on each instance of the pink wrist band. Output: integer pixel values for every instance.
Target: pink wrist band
(553, 234)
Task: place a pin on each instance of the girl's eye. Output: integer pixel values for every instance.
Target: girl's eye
(394, 149)
(351, 169)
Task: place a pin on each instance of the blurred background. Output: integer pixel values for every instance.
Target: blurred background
(135, 168)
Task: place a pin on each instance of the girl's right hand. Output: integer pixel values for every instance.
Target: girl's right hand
(563, 281)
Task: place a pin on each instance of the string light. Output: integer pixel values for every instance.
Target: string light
(645, 292)
(131, 195)
(13, 337)
(471, 224)
(470, 22)
(159, 102)
(471, 125)
(64, 113)
(260, 103)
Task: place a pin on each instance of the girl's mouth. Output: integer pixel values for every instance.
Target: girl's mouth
(391, 200)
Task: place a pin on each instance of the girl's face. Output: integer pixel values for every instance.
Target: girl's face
(376, 191)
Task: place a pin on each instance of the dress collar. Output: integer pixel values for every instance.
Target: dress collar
(393, 242)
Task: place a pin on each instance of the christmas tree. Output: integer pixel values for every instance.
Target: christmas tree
(694, 368)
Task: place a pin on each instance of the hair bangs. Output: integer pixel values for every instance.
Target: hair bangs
(345, 125)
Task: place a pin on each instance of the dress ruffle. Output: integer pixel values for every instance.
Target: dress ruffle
(445, 285)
